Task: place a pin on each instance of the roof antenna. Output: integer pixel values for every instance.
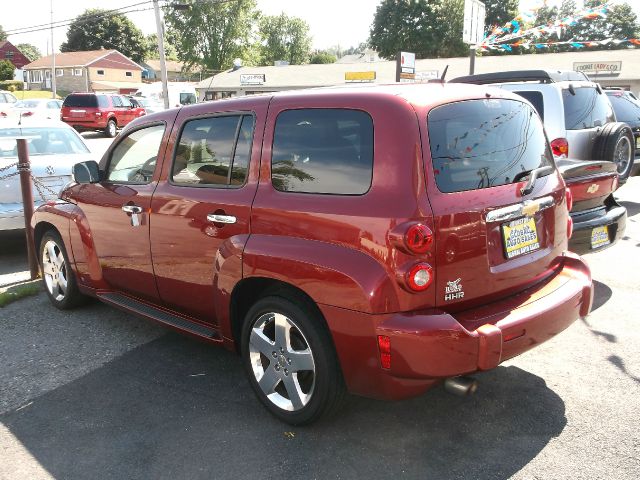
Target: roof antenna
(441, 79)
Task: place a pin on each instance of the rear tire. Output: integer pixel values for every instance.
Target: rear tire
(111, 129)
(616, 144)
(290, 360)
(57, 275)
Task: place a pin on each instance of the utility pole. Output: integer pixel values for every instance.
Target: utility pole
(53, 59)
(163, 64)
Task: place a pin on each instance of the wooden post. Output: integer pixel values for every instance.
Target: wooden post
(24, 167)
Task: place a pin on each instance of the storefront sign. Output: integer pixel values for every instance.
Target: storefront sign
(252, 79)
(597, 67)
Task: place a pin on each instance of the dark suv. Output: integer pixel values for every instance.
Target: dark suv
(372, 240)
(103, 112)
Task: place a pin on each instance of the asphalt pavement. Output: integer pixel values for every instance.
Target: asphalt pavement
(98, 393)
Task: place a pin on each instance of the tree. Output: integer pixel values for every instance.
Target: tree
(3, 34)
(499, 12)
(29, 51)
(322, 57)
(212, 34)
(429, 28)
(283, 38)
(153, 51)
(95, 29)
(6, 70)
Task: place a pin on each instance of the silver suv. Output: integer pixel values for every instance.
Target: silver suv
(577, 114)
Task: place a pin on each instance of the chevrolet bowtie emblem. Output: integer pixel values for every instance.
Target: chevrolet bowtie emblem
(593, 188)
(530, 209)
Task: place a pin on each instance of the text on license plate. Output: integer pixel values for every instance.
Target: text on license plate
(520, 237)
(600, 237)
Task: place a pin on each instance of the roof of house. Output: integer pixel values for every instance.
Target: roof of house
(301, 76)
(107, 59)
(172, 65)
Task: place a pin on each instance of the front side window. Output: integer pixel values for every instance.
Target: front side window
(214, 151)
(133, 160)
(478, 144)
(326, 151)
(586, 108)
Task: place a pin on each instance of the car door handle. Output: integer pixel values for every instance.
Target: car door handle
(132, 209)
(217, 218)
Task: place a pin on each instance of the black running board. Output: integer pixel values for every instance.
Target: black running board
(162, 316)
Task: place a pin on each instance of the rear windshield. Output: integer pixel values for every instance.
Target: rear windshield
(485, 143)
(87, 101)
(627, 109)
(586, 109)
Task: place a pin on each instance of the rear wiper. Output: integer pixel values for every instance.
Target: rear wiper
(533, 176)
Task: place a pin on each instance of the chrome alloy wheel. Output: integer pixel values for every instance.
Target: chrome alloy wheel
(282, 361)
(54, 270)
(623, 154)
(112, 128)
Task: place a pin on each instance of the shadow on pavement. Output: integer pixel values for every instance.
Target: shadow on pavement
(175, 408)
(13, 252)
(601, 294)
(633, 208)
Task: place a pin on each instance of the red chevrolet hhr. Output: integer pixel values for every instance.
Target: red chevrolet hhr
(374, 240)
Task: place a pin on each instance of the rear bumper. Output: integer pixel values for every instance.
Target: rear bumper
(613, 215)
(99, 124)
(429, 346)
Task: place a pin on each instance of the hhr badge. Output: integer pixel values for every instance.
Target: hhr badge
(593, 188)
(453, 291)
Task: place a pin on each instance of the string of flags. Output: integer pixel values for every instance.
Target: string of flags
(508, 47)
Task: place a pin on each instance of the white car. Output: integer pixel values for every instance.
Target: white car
(47, 108)
(54, 147)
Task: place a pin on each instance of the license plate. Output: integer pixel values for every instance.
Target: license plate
(600, 237)
(520, 237)
(78, 113)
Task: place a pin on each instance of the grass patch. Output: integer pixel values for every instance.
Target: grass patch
(27, 94)
(17, 292)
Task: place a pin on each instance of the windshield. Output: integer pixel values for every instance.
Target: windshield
(627, 109)
(41, 141)
(479, 144)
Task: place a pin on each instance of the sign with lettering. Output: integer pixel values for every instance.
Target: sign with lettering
(597, 67)
(252, 79)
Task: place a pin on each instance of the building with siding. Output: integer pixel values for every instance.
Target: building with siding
(90, 71)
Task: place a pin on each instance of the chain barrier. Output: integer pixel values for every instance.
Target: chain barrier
(40, 187)
(4, 169)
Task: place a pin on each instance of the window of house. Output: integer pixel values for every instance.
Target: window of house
(36, 76)
(133, 160)
(100, 72)
(8, 54)
(214, 151)
(128, 74)
(77, 72)
(323, 151)
(59, 72)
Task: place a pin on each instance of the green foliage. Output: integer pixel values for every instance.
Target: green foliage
(499, 12)
(93, 30)
(3, 35)
(12, 85)
(283, 38)
(29, 51)
(153, 51)
(6, 70)
(322, 57)
(427, 28)
(212, 34)
(11, 294)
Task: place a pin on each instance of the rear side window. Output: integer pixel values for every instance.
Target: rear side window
(214, 151)
(103, 101)
(535, 98)
(86, 101)
(323, 151)
(479, 144)
(586, 109)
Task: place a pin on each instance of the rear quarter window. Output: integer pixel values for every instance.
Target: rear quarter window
(536, 99)
(478, 144)
(586, 109)
(328, 151)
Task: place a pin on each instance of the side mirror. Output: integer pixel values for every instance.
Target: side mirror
(86, 172)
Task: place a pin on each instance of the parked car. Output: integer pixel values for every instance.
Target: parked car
(53, 147)
(148, 104)
(288, 228)
(627, 109)
(580, 124)
(34, 107)
(7, 99)
(102, 112)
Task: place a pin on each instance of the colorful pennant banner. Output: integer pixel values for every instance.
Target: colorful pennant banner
(508, 47)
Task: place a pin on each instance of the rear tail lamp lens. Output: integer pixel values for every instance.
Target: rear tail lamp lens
(569, 197)
(560, 147)
(569, 227)
(384, 345)
(2, 114)
(418, 238)
(27, 114)
(420, 277)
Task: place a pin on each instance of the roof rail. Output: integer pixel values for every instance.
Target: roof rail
(542, 76)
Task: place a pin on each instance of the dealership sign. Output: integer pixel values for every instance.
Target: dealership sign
(252, 79)
(597, 67)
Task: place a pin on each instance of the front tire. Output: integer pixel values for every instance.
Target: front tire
(290, 360)
(57, 276)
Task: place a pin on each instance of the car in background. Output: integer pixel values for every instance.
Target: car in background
(627, 109)
(98, 111)
(34, 107)
(148, 104)
(582, 131)
(54, 148)
(7, 99)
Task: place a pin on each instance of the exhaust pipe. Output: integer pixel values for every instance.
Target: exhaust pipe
(461, 386)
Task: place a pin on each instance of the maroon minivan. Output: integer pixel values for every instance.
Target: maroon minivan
(102, 112)
(375, 240)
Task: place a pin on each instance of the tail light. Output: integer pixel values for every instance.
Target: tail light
(569, 227)
(420, 277)
(418, 238)
(27, 114)
(569, 197)
(384, 345)
(560, 148)
(2, 114)
(616, 183)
